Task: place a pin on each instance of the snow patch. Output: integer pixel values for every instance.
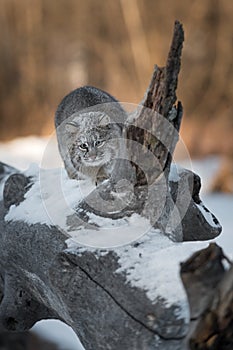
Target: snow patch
(207, 215)
(21, 152)
(154, 266)
(51, 198)
(31, 210)
(111, 233)
(59, 333)
(55, 197)
(174, 172)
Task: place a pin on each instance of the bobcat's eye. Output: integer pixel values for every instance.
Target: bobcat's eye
(99, 143)
(83, 147)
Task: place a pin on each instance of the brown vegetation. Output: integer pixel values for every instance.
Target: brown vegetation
(223, 182)
(47, 48)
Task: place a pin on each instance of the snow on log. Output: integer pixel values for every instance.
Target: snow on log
(133, 293)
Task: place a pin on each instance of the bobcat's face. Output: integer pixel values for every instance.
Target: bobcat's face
(93, 149)
(93, 140)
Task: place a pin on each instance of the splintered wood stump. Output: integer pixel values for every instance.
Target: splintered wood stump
(129, 296)
(156, 125)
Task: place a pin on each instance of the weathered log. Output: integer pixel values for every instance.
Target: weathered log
(85, 287)
(42, 282)
(82, 289)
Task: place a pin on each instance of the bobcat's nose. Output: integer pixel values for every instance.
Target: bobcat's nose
(92, 154)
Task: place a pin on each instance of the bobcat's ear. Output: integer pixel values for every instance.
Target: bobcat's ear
(104, 120)
(71, 127)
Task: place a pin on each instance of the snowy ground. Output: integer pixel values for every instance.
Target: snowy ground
(21, 152)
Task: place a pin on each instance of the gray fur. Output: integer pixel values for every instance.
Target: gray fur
(89, 125)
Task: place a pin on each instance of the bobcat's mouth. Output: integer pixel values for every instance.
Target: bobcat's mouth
(98, 161)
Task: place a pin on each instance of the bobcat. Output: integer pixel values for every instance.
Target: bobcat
(89, 125)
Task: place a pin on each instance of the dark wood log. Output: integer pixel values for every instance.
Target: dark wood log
(209, 287)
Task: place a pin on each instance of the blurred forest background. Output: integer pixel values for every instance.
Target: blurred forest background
(49, 47)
